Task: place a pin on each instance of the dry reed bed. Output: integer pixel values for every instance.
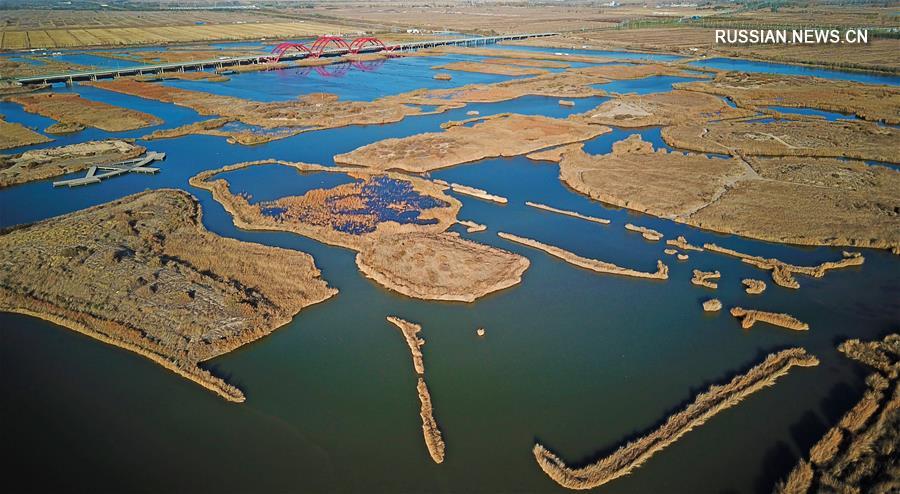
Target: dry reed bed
(432, 434)
(13, 135)
(712, 305)
(858, 454)
(782, 272)
(74, 113)
(703, 278)
(494, 136)
(662, 271)
(142, 273)
(573, 214)
(749, 317)
(647, 233)
(419, 260)
(705, 406)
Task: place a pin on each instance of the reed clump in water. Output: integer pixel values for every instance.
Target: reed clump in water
(754, 287)
(647, 233)
(783, 273)
(750, 317)
(472, 227)
(573, 214)
(712, 305)
(434, 441)
(706, 405)
(662, 271)
(479, 193)
(411, 334)
(702, 278)
(683, 244)
(859, 454)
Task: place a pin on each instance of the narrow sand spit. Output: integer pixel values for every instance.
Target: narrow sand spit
(432, 434)
(858, 454)
(750, 317)
(682, 257)
(661, 273)
(702, 278)
(479, 193)
(783, 273)
(574, 214)
(754, 287)
(647, 233)
(670, 251)
(705, 406)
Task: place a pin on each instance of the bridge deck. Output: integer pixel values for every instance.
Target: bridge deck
(92, 75)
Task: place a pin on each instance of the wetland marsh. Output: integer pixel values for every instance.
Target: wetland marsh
(577, 361)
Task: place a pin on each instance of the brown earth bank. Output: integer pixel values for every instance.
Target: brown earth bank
(810, 137)
(753, 90)
(798, 200)
(314, 111)
(13, 135)
(661, 273)
(490, 68)
(501, 135)
(74, 113)
(704, 407)
(648, 233)
(142, 273)
(183, 76)
(40, 164)
(683, 244)
(859, 454)
(416, 259)
(782, 272)
(439, 266)
(669, 108)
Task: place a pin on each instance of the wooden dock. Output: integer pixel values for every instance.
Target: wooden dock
(137, 165)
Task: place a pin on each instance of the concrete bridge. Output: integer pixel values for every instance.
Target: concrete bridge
(219, 63)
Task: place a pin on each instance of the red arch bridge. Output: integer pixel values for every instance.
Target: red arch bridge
(340, 45)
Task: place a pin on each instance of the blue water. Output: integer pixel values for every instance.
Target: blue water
(579, 361)
(827, 115)
(271, 182)
(786, 69)
(647, 85)
(624, 55)
(353, 81)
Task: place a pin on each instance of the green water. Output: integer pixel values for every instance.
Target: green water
(579, 361)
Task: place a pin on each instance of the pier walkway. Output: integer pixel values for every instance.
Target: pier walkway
(137, 165)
